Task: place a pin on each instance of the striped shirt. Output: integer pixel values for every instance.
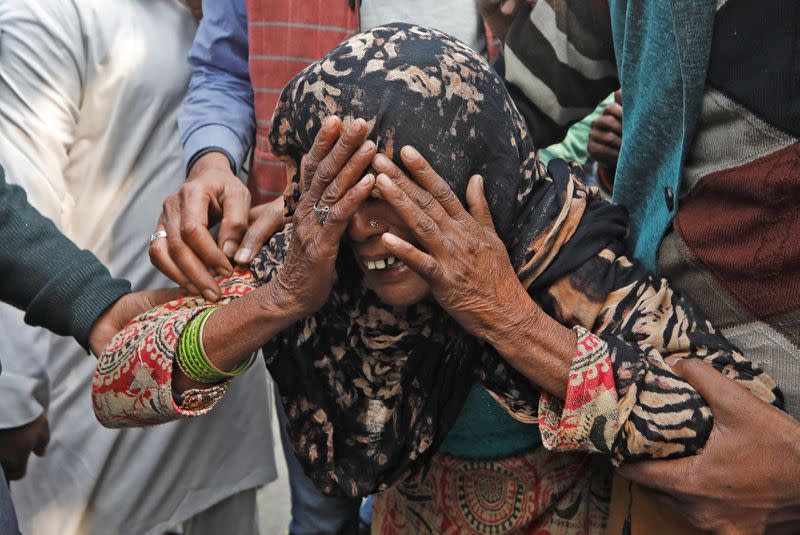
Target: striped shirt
(710, 161)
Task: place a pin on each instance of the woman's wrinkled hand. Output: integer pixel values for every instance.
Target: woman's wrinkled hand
(464, 262)
(332, 180)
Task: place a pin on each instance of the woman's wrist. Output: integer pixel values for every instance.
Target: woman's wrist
(534, 343)
(509, 317)
(282, 295)
(235, 331)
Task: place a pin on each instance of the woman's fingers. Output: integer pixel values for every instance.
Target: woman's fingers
(341, 212)
(323, 143)
(382, 164)
(266, 220)
(476, 200)
(430, 180)
(421, 224)
(415, 192)
(335, 160)
(352, 171)
(421, 263)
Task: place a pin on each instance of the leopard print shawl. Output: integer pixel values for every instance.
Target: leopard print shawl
(370, 391)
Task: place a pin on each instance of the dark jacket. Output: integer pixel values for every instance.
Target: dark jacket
(59, 286)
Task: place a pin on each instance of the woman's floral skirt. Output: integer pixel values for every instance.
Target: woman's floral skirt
(538, 492)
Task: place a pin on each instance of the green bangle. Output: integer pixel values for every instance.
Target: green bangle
(191, 355)
(236, 370)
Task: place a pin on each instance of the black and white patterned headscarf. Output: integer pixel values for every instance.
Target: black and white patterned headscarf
(369, 391)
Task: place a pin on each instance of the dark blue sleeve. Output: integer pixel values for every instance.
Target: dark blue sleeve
(218, 111)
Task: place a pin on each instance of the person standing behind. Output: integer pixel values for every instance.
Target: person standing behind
(710, 173)
(91, 92)
(244, 53)
(64, 290)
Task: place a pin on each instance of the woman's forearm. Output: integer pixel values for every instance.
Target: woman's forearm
(234, 331)
(535, 344)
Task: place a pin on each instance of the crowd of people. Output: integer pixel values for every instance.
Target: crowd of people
(475, 296)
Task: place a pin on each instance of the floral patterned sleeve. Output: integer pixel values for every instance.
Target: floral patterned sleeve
(132, 383)
(623, 399)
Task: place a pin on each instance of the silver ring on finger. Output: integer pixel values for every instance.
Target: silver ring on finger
(322, 213)
(156, 235)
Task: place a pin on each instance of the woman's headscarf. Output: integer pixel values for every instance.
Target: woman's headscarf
(371, 391)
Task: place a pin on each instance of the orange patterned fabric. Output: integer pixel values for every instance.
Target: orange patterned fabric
(539, 492)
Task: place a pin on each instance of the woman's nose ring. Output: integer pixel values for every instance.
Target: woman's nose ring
(373, 223)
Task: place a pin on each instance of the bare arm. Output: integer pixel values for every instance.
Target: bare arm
(250, 313)
(240, 328)
(596, 338)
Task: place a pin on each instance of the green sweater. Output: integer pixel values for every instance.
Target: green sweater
(575, 145)
(59, 286)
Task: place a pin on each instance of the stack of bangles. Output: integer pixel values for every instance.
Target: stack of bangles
(191, 356)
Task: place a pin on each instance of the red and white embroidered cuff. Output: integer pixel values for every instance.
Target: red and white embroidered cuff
(589, 412)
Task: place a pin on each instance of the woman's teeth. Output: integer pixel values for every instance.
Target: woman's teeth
(388, 262)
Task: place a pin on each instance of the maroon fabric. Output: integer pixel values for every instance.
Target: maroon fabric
(284, 37)
(743, 223)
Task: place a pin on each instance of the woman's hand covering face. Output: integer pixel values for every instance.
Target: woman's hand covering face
(465, 263)
(332, 178)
